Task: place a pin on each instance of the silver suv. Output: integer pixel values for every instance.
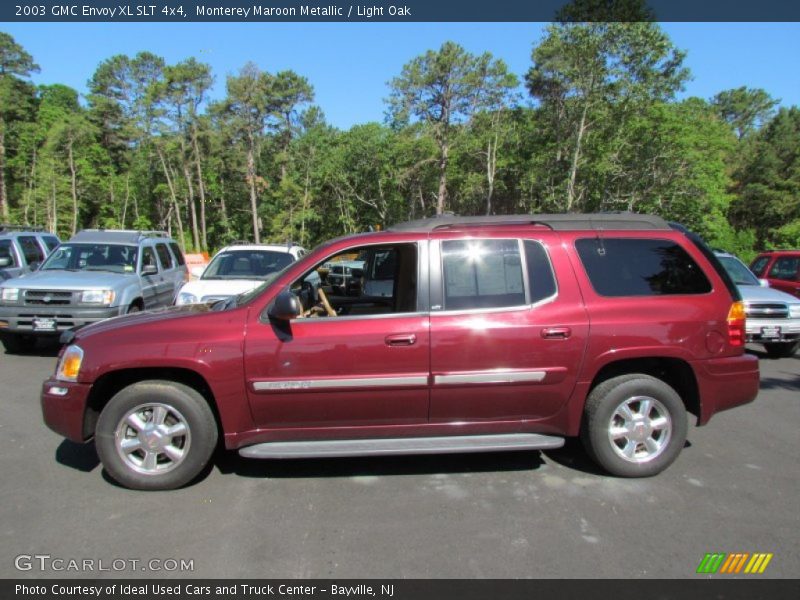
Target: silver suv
(773, 317)
(23, 249)
(95, 275)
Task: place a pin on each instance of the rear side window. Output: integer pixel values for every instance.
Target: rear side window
(30, 249)
(50, 242)
(164, 256)
(178, 254)
(541, 282)
(758, 265)
(640, 267)
(482, 274)
(785, 268)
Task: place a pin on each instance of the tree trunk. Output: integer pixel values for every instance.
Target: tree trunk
(73, 187)
(201, 189)
(491, 171)
(190, 200)
(440, 204)
(4, 212)
(251, 180)
(573, 171)
(178, 219)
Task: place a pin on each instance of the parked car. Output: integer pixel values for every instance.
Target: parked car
(23, 249)
(95, 275)
(781, 268)
(501, 333)
(237, 269)
(773, 317)
(345, 276)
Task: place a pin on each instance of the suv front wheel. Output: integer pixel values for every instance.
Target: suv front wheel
(155, 435)
(634, 425)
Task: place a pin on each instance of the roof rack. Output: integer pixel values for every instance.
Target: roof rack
(122, 236)
(10, 227)
(570, 221)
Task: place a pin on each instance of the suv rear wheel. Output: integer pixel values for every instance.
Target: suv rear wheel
(155, 435)
(634, 425)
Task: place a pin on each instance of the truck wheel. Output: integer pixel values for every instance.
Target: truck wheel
(776, 350)
(634, 425)
(15, 343)
(155, 435)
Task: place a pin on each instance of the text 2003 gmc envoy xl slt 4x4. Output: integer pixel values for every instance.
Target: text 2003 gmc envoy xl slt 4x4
(485, 334)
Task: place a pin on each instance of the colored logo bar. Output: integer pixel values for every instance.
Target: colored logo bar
(735, 562)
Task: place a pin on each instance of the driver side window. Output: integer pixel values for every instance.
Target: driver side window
(363, 281)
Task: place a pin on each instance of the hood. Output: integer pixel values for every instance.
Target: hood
(219, 288)
(70, 280)
(756, 293)
(141, 318)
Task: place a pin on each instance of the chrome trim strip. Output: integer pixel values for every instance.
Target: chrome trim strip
(285, 385)
(491, 377)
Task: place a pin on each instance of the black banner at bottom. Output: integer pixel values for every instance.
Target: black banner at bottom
(402, 589)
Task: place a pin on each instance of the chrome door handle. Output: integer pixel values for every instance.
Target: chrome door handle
(556, 333)
(403, 339)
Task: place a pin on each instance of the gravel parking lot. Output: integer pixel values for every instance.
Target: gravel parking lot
(735, 488)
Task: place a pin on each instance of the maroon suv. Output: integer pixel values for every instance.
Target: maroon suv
(464, 335)
(781, 268)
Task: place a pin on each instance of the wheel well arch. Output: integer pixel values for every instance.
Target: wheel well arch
(138, 301)
(675, 372)
(110, 383)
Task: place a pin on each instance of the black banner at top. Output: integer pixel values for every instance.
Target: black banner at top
(399, 11)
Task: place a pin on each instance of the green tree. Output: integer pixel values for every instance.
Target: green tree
(15, 65)
(443, 88)
(590, 78)
(744, 109)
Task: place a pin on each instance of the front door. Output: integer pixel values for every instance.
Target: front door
(506, 339)
(364, 362)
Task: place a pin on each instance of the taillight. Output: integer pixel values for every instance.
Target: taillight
(736, 330)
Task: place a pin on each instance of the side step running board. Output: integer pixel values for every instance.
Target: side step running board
(415, 445)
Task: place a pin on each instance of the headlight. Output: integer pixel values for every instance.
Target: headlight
(103, 297)
(9, 294)
(69, 365)
(186, 298)
(794, 311)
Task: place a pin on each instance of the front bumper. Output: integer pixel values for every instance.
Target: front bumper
(725, 383)
(765, 330)
(20, 319)
(64, 408)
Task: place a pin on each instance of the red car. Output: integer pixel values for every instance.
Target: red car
(781, 268)
(499, 333)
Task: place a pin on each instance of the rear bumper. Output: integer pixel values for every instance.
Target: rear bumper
(64, 407)
(725, 383)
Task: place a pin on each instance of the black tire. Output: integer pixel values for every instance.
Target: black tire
(16, 343)
(652, 440)
(182, 405)
(133, 308)
(776, 350)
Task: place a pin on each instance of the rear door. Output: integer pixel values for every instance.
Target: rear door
(507, 336)
(169, 272)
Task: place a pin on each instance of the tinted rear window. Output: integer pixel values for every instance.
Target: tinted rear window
(178, 254)
(640, 267)
(164, 255)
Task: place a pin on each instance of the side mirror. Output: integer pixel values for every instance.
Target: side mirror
(35, 265)
(763, 282)
(197, 272)
(149, 270)
(285, 307)
(5, 261)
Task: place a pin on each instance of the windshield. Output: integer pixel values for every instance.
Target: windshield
(247, 264)
(740, 274)
(92, 257)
